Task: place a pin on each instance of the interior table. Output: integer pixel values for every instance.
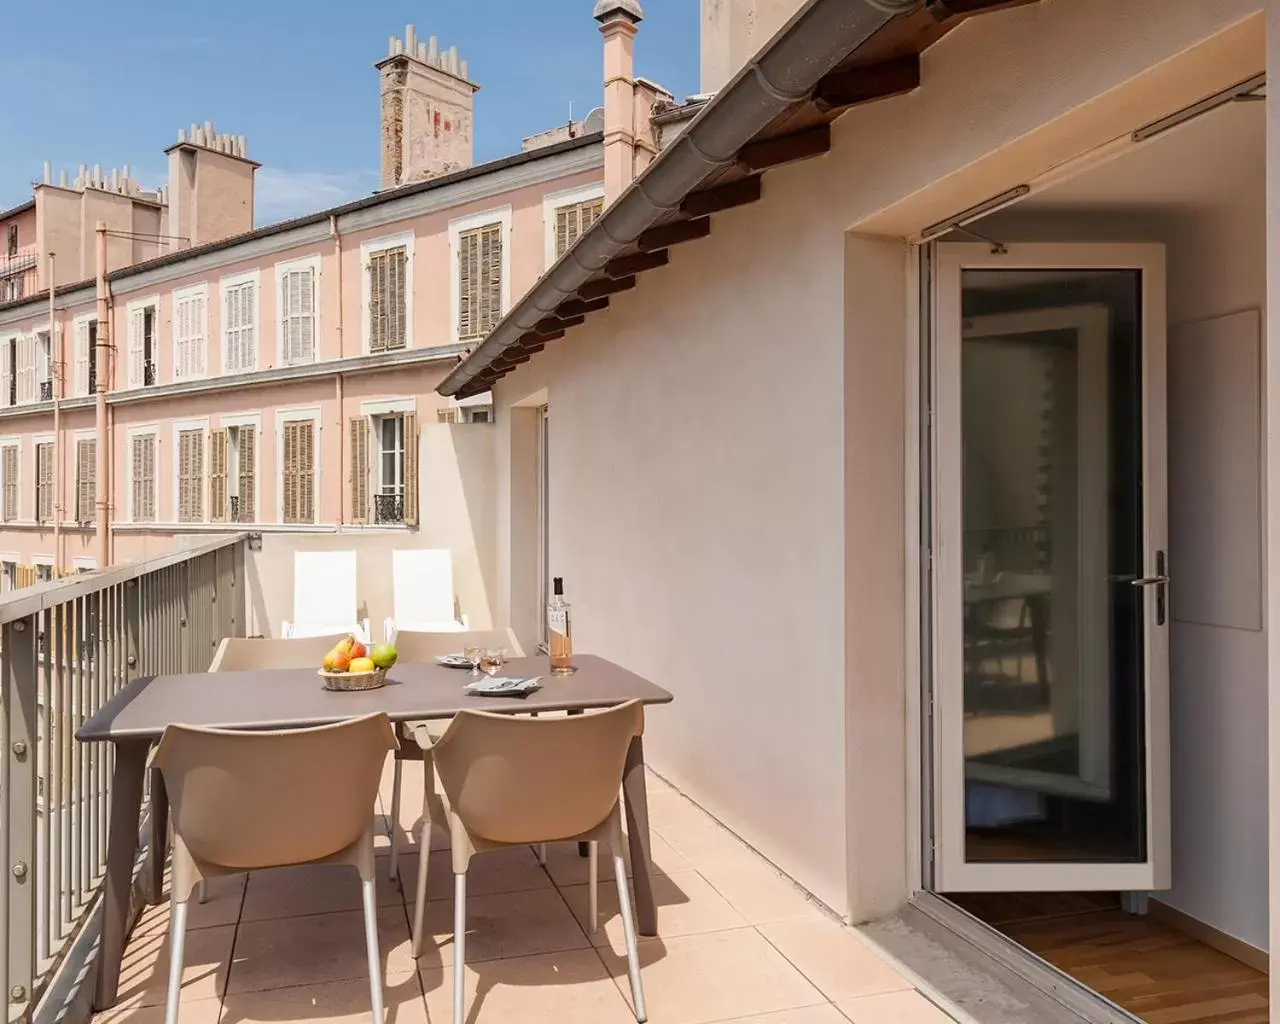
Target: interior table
(135, 718)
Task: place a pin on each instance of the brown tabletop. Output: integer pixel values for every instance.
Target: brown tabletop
(289, 698)
(294, 698)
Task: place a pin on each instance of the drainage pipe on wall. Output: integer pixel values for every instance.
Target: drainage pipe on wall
(102, 363)
(337, 379)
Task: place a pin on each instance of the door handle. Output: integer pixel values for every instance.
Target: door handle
(1148, 581)
(1160, 580)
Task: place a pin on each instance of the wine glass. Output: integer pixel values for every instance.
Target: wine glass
(474, 654)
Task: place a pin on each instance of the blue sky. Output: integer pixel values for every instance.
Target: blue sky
(111, 82)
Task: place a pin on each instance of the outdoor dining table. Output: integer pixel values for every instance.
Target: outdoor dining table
(135, 718)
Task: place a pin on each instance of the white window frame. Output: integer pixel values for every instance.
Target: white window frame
(175, 471)
(36, 441)
(312, 263)
(283, 416)
(553, 201)
(225, 284)
(84, 563)
(89, 434)
(82, 318)
(7, 558)
(175, 299)
(245, 419)
(151, 430)
(498, 215)
(367, 250)
(11, 441)
(47, 562)
(130, 308)
(373, 411)
(15, 338)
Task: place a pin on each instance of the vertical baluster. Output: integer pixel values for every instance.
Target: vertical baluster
(87, 774)
(57, 853)
(18, 695)
(45, 921)
(101, 676)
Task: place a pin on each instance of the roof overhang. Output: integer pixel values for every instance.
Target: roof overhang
(832, 55)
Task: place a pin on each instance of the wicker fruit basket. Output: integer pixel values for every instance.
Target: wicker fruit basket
(354, 680)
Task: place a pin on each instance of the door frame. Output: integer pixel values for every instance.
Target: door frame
(947, 798)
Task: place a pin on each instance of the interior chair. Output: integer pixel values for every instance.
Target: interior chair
(248, 801)
(427, 646)
(515, 781)
(422, 592)
(324, 596)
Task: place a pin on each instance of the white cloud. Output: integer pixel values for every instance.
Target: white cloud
(280, 195)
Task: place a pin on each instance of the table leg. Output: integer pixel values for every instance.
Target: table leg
(636, 803)
(122, 851)
(159, 838)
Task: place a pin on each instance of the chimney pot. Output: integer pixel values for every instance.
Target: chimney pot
(607, 9)
(244, 147)
(62, 179)
(410, 40)
(48, 173)
(433, 50)
(462, 70)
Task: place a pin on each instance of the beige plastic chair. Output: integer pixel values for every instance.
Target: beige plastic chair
(239, 654)
(422, 646)
(515, 781)
(245, 801)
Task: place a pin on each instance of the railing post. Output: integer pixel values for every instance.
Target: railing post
(184, 613)
(132, 629)
(18, 686)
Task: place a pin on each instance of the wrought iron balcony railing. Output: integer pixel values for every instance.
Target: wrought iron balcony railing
(66, 647)
(388, 508)
(46, 391)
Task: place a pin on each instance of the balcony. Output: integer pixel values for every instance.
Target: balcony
(737, 939)
(19, 274)
(46, 391)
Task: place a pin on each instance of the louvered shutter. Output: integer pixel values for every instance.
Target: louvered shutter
(10, 470)
(307, 471)
(191, 476)
(563, 240)
(137, 350)
(144, 479)
(82, 358)
(28, 390)
(573, 220)
(248, 474)
(7, 370)
(491, 268)
(189, 320)
(44, 482)
(218, 476)
(359, 429)
(411, 469)
(387, 299)
(240, 327)
(468, 259)
(479, 281)
(299, 316)
(86, 481)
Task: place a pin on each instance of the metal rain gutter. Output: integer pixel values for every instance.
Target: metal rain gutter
(815, 41)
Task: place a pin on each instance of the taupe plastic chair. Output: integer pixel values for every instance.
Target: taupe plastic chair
(240, 654)
(515, 781)
(246, 801)
(420, 646)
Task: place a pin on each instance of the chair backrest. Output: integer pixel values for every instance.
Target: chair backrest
(238, 654)
(422, 586)
(244, 800)
(528, 780)
(413, 646)
(324, 592)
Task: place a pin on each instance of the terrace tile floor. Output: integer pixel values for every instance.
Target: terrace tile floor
(739, 942)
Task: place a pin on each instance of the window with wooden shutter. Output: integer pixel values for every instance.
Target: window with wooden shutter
(479, 281)
(86, 335)
(8, 383)
(299, 472)
(387, 314)
(411, 469)
(359, 427)
(240, 326)
(143, 460)
(189, 319)
(298, 316)
(137, 329)
(191, 476)
(246, 474)
(27, 388)
(86, 480)
(573, 220)
(218, 476)
(44, 482)
(9, 470)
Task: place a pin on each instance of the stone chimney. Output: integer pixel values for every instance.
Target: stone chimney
(733, 31)
(618, 22)
(426, 110)
(210, 193)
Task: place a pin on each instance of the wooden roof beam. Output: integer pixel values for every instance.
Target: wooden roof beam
(580, 307)
(808, 142)
(722, 197)
(605, 286)
(677, 231)
(842, 89)
(552, 324)
(625, 266)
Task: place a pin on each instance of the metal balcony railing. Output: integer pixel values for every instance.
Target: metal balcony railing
(388, 508)
(46, 391)
(66, 647)
(19, 274)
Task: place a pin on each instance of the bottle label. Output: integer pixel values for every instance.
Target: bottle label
(558, 620)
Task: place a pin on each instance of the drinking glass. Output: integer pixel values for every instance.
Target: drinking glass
(475, 655)
(492, 659)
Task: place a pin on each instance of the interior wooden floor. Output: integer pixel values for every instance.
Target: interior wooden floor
(1154, 971)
